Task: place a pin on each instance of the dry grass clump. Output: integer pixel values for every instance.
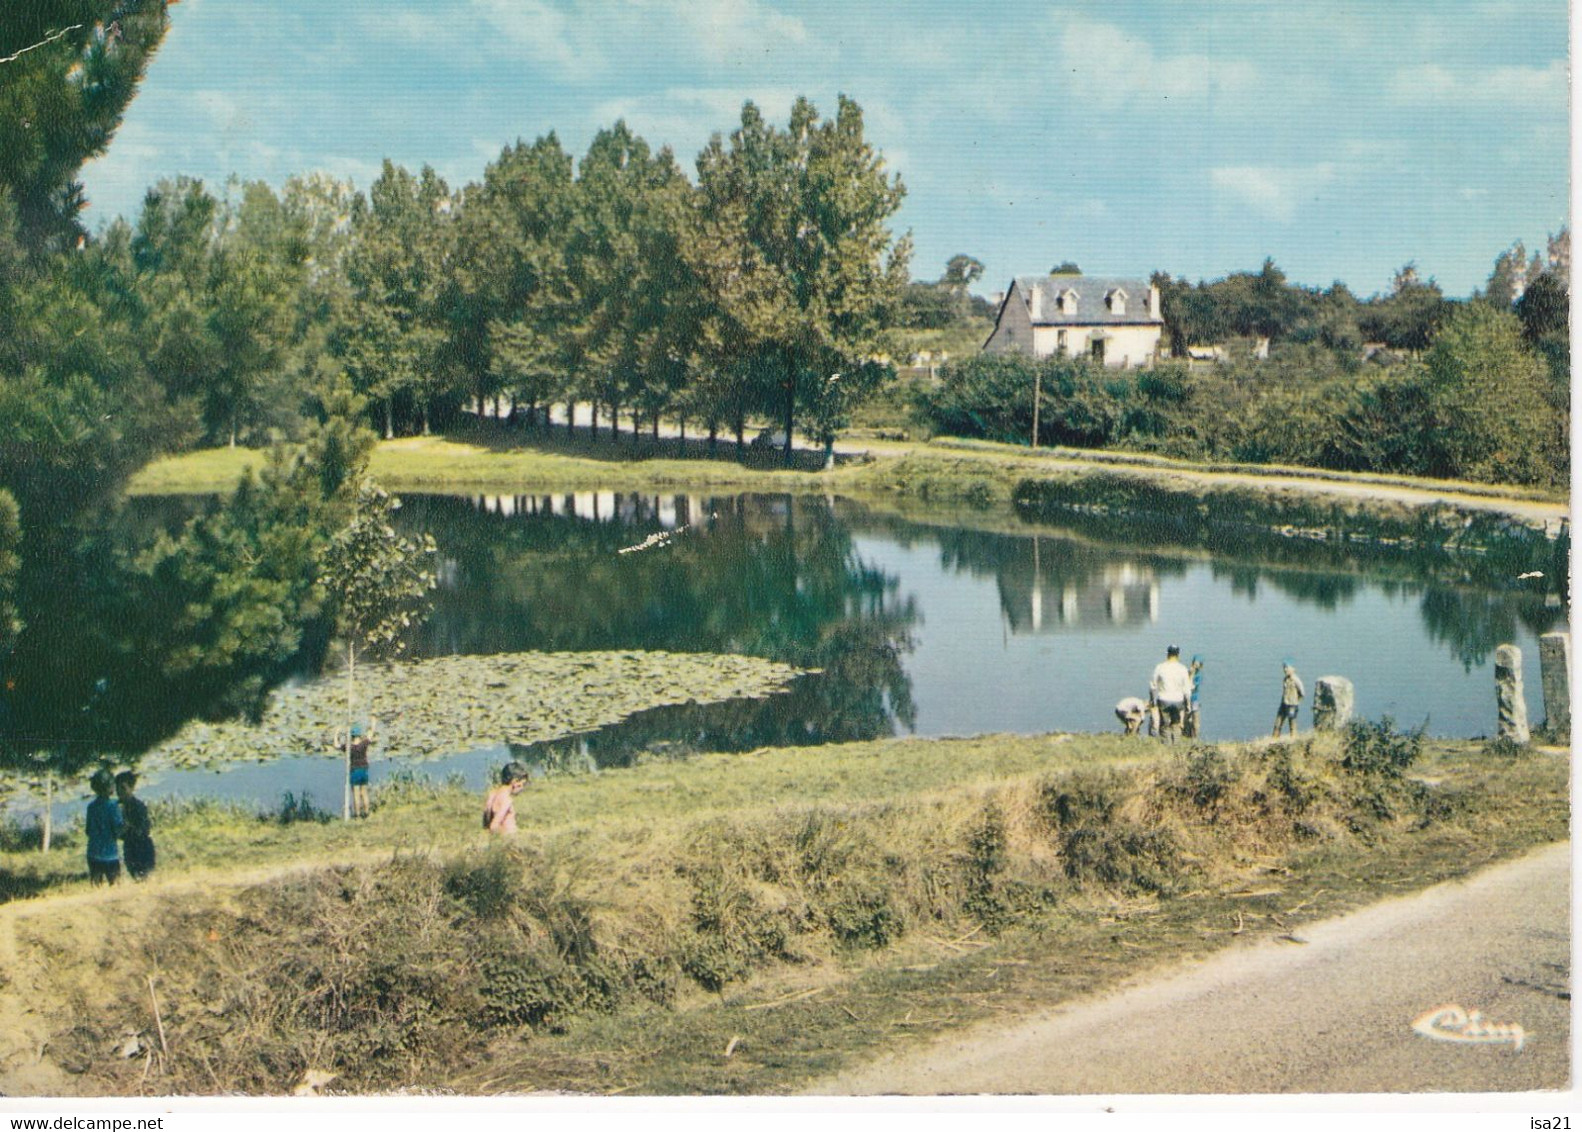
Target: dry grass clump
(398, 974)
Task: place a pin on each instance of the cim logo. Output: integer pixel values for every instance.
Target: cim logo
(1453, 1024)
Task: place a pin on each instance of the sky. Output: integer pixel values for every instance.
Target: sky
(1341, 138)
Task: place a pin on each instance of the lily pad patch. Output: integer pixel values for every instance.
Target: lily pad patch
(432, 708)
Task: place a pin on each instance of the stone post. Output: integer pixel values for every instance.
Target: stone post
(1334, 700)
(1554, 666)
(1508, 696)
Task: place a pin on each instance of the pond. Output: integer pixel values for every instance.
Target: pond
(919, 627)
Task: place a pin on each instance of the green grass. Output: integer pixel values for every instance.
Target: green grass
(799, 908)
(974, 472)
(201, 836)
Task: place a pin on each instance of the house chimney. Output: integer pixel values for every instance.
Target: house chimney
(1153, 302)
(1035, 302)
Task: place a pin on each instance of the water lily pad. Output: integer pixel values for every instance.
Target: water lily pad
(432, 708)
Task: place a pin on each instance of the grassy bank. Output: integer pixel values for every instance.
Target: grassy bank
(731, 923)
(940, 473)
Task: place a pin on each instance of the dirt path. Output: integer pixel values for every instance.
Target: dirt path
(1332, 1014)
(1315, 482)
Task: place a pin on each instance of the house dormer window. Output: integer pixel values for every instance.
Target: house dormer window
(1116, 300)
(1068, 301)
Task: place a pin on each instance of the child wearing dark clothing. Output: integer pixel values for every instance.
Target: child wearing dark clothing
(136, 834)
(103, 826)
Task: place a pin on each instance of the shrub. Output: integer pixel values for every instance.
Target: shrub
(1295, 789)
(1127, 856)
(17, 836)
(986, 862)
(1379, 749)
(1081, 799)
(1507, 748)
(520, 988)
(731, 934)
(489, 889)
(1206, 778)
(862, 913)
(297, 808)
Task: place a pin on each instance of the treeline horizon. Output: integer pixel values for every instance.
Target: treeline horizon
(761, 290)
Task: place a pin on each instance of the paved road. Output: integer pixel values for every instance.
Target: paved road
(1333, 1015)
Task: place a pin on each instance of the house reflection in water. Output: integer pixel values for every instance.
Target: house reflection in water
(1050, 597)
(669, 511)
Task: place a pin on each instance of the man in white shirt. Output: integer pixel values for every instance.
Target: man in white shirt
(1171, 687)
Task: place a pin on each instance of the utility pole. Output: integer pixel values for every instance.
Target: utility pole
(1038, 395)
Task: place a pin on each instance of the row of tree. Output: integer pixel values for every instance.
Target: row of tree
(1263, 304)
(760, 290)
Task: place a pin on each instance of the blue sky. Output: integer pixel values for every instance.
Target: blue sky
(1196, 136)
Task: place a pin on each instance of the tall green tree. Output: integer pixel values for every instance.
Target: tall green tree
(796, 251)
(1486, 397)
(397, 269)
(622, 261)
(1545, 313)
(961, 272)
(1511, 275)
(1409, 316)
(510, 302)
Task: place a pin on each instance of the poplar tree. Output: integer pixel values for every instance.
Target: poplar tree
(795, 248)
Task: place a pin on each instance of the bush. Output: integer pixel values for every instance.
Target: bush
(731, 934)
(862, 913)
(1206, 778)
(1128, 856)
(1506, 748)
(297, 808)
(1379, 749)
(1081, 799)
(986, 862)
(1296, 790)
(490, 889)
(1306, 404)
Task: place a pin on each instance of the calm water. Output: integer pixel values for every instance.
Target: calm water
(920, 629)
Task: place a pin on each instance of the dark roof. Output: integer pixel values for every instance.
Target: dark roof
(1091, 307)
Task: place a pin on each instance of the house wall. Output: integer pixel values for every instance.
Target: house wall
(1014, 332)
(1126, 346)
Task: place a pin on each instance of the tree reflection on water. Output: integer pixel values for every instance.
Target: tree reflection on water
(767, 576)
(782, 577)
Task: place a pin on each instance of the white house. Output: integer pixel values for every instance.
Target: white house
(1114, 321)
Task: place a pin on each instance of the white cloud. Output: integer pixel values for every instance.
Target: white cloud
(538, 28)
(121, 173)
(586, 39)
(728, 30)
(1276, 192)
(1532, 87)
(1105, 65)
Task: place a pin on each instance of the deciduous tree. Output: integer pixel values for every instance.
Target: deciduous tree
(378, 584)
(797, 251)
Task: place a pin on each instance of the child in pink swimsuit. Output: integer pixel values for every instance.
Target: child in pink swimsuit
(499, 808)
